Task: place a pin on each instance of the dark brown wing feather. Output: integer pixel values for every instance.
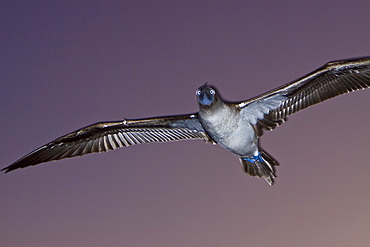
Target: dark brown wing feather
(332, 79)
(102, 137)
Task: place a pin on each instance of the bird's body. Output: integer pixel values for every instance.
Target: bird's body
(236, 127)
(224, 126)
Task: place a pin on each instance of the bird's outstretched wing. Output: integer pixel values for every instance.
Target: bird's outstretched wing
(105, 136)
(332, 79)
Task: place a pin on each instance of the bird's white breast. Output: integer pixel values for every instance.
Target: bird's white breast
(230, 130)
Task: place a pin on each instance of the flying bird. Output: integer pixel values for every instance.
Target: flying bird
(236, 127)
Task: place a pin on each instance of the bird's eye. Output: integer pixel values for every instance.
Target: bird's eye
(212, 91)
(198, 92)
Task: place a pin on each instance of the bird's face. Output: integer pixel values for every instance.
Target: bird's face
(206, 95)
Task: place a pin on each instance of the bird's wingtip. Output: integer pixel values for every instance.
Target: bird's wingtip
(8, 169)
(5, 170)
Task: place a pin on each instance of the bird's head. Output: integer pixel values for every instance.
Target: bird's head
(206, 95)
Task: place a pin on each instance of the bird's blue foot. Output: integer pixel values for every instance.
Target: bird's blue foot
(254, 158)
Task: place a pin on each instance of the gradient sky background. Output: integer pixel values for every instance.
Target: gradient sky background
(67, 65)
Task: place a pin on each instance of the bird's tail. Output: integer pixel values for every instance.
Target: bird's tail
(261, 165)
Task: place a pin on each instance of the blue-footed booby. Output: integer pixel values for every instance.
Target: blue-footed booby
(236, 127)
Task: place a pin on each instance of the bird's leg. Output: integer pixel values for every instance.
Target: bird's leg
(254, 158)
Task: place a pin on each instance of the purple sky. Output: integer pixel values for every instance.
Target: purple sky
(64, 66)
